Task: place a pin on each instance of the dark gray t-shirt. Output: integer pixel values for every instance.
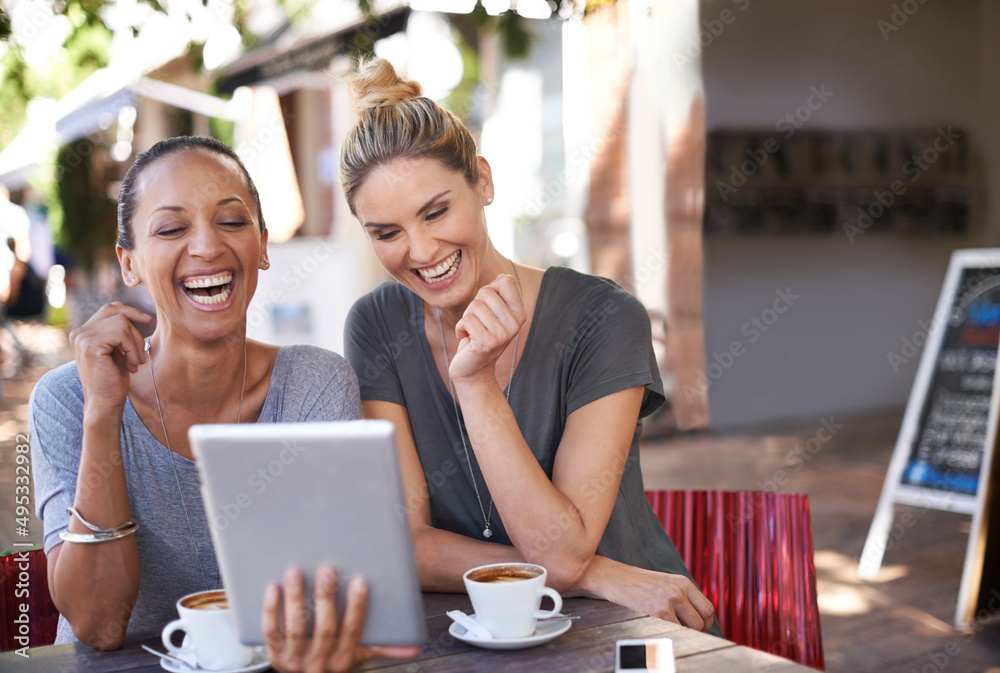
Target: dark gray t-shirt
(307, 384)
(589, 338)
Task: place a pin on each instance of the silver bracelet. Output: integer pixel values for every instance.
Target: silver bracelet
(97, 529)
(88, 538)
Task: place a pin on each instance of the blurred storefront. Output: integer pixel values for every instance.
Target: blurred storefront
(812, 118)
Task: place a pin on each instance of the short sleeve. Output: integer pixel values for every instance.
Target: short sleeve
(55, 425)
(314, 384)
(612, 350)
(369, 342)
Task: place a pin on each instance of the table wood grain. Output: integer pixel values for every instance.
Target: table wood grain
(588, 647)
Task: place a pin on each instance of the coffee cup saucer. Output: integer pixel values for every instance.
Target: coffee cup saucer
(258, 663)
(545, 630)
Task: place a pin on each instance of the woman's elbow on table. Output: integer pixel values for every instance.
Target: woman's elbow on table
(99, 634)
(566, 572)
(98, 616)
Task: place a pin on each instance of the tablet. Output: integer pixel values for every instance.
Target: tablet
(278, 495)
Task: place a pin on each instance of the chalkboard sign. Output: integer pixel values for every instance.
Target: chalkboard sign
(948, 429)
(947, 449)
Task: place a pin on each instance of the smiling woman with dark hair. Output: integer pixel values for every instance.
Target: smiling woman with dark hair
(115, 482)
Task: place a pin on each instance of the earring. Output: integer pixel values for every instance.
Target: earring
(489, 200)
(265, 264)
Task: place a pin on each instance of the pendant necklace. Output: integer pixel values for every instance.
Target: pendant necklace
(487, 532)
(166, 439)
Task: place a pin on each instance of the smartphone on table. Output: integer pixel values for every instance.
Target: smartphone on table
(653, 655)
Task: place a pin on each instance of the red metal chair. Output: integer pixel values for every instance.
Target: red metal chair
(751, 553)
(26, 609)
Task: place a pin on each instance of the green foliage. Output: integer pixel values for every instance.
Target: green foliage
(515, 38)
(14, 94)
(4, 25)
(223, 129)
(90, 218)
(464, 98)
(87, 48)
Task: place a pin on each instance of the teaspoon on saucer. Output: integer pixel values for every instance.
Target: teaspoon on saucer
(168, 657)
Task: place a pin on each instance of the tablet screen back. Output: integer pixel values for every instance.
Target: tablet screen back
(279, 495)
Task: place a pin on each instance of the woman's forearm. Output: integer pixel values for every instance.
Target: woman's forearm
(95, 585)
(443, 557)
(659, 594)
(541, 522)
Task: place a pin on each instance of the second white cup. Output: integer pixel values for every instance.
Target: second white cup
(210, 630)
(507, 596)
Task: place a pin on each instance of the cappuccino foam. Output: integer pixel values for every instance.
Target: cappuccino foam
(208, 600)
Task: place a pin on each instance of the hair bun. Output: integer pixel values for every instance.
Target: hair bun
(376, 84)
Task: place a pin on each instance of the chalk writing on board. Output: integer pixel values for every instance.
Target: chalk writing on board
(947, 449)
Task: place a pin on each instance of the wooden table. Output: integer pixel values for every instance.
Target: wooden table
(588, 647)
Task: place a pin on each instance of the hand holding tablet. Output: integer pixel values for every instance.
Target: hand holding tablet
(333, 645)
(303, 496)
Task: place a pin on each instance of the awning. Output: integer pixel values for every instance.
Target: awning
(97, 99)
(22, 156)
(309, 47)
(91, 106)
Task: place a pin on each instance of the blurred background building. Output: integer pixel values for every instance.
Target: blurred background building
(781, 184)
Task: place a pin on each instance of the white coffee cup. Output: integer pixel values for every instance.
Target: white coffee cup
(506, 597)
(211, 632)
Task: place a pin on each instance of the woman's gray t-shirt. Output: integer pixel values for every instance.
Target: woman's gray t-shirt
(307, 384)
(589, 338)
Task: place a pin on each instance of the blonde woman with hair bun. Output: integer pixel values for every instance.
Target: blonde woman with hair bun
(517, 393)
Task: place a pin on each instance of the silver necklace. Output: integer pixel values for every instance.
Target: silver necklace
(166, 439)
(487, 532)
